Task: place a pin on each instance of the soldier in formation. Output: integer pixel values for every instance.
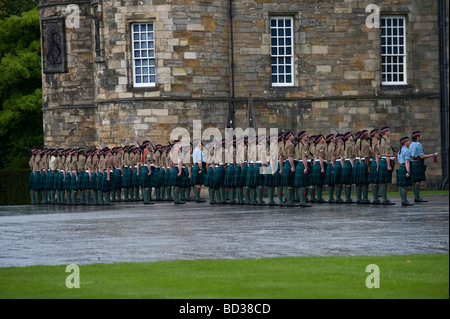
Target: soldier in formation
(235, 172)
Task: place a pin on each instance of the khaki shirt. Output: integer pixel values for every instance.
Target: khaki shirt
(302, 151)
(339, 151)
(319, 151)
(31, 162)
(289, 149)
(109, 164)
(329, 151)
(375, 148)
(357, 148)
(81, 162)
(385, 146)
(102, 163)
(366, 151)
(281, 150)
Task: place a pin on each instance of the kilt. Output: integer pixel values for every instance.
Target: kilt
(219, 176)
(107, 186)
(83, 180)
(117, 178)
(36, 182)
(243, 176)
(337, 171)
(209, 177)
(167, 175)
(373, 174)
(43, 181)
(402, 180)
(92, 183)
(269, 179)
(196, 178)
(317, 178)
(185, 181)
(144, 179)
(229, 176)
(288, 177)
(127, 177)
(383, 173)
(258, 178)
(74, 183)
(174, 180)
(329, 175)
(300, 178)
(363, 175)
(135, 178)
(237, 174)
(50, 181)
(156, 181)
(346, 174)
(277, 176)
(99, 181)
(30, 180)
(355, 172)
(249, 175)
(418, 171)
(161, 176)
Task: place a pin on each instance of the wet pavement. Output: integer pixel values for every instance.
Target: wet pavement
(134, 232)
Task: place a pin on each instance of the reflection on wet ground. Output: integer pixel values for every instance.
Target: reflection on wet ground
(129, 232)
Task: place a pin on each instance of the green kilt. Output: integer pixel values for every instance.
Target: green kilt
(127, 177)
(74, 183)
(363, 175)
(317, 177)
(135, 178)
(92, 183)
(258, 178)
(42, 181)
(277, 176)
(402, 180)
(218, 176)
(300, 178)
(243, 176)
(175, 180)
(355, 172)
(383, 173)
(99, 182)
(83, 179)
(373, 174)
(185, 182)
(107, 186)
(418, 171)
(249, 175)
(167, 175)
(50, 181)
(329, 175)
(209, 177)
(269, 179)
(237, 173)
(36, 183)
(156, 181)
(229, 176)
(288, 177)
(346, 174)
(196, 178)
(144, 180)
(337, 172)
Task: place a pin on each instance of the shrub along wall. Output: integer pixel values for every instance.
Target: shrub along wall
(14, 187)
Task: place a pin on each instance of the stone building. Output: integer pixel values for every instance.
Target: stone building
(124, 70)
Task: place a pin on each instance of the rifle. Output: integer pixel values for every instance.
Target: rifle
(140, 146)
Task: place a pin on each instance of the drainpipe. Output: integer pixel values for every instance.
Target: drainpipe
(443, 94)
(232, 51)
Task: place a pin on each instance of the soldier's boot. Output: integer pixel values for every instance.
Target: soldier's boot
(338, 194)
(358, 190)
(320, 199)
(303, 203)
(375, 189)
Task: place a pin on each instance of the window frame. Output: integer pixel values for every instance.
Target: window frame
(393, 57)
(283, 56)
(137, 62)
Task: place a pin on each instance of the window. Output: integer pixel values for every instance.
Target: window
(282, 52)
(393, 50)
(143, 45)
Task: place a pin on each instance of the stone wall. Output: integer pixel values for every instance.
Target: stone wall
(337, 71)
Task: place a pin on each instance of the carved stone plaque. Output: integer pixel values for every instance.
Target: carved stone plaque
(53, 45)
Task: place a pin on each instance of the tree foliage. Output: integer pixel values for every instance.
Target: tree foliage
(20, 87)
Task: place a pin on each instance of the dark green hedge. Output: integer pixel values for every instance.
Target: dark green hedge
(14, 187)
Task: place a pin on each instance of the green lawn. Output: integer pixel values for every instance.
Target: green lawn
(403, 276)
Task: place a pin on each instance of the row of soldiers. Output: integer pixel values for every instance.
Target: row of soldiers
(297, 171)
